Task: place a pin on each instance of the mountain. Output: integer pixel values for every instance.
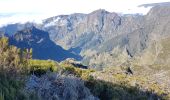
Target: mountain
(93, 34)
(103, 38)
(107, 39)
(34, 79)
(11, 29)
(155, 4)
(90, 30)
(127, 57)
(39, 41)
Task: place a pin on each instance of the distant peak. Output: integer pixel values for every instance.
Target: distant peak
(155, 4)
(100, 11)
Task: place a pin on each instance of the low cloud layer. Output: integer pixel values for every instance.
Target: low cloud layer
(13, 11)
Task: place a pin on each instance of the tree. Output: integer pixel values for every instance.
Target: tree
(12, 59)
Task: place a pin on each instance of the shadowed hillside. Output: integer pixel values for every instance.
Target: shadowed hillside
(43, 47)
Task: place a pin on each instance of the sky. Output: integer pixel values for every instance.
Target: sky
(13, 11)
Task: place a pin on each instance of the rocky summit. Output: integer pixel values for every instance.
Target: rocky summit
(107, 39)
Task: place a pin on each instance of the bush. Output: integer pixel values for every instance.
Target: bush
(13, 67)
(2, 96)
(13, 61)
(9, 87)
(39, 67)
(68, 68)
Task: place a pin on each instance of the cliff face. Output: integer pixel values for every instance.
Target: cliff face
(103, 38)
(91, 30)
(39, 41)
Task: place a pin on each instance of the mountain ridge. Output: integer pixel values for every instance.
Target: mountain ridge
(43, 47)
(102, 33)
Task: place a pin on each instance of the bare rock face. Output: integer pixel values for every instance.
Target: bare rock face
(97, 34)
(55, 87)
(90, 30)
(99, 31)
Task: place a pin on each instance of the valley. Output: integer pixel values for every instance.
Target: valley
(96, 56)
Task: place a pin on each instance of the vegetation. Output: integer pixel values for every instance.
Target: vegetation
(15, 64)
(120, 86)
(39, 67)
(10, 66)
(9, 59)
(67, 68)
(109, 84)
(116, 84)
(10, 88)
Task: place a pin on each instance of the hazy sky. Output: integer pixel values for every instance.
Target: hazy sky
(12, 11)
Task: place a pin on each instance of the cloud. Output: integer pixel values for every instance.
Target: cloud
(20, 18)
(34, 10)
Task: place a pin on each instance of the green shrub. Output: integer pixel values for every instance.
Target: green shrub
(13, 68)
(13, 61)
(40, 67)
(9, 87)
(78, 72)
(2, 96)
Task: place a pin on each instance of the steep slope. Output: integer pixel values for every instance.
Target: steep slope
(91, 30)
(94, 33)
(106, 39)
(43, 47)
(103, 38)
(119, 83)
(154, 62)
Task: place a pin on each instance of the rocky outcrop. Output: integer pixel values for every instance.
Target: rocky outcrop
(55, 87)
